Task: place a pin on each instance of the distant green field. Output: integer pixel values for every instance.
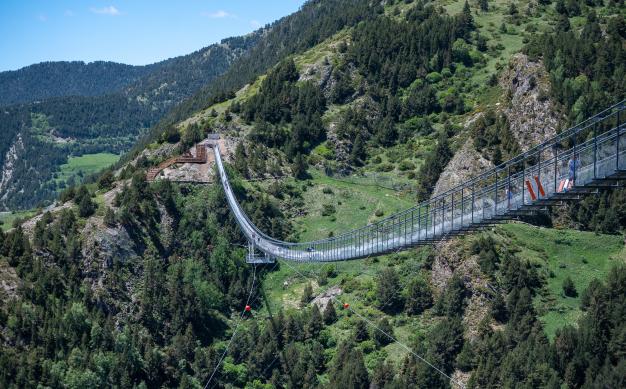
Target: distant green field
(580, 255)
(85, 165)
(7, 218)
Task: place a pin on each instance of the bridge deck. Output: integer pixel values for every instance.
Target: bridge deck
(529, 182)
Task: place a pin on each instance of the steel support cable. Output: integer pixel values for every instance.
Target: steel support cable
(407, 348)
(248, 301)
(243, 312)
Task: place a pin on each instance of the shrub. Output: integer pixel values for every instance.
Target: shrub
(406, 165)
(328, 209)
(569, 289)
(433, 77)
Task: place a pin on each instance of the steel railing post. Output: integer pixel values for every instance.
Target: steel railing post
(473, 200)
(556, 157)
(419, 224)
(452, 218)
(509, 194)
(434, 213)
(462, 206)
(523, 179)
(495, 195)
(595, 150)
(538, 174)
(617, 142)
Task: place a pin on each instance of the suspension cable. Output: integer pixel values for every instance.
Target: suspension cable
(236, 328)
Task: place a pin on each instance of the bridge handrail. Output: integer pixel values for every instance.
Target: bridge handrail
(483, 189)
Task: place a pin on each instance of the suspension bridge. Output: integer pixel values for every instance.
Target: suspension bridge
(577, 162)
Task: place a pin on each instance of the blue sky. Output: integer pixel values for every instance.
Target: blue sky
(136, 32)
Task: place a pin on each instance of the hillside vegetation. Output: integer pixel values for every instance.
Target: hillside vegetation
(56, 79)
(340, 115)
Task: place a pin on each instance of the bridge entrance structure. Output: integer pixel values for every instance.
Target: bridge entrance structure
(576, 162)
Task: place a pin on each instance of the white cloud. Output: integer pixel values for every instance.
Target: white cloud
(220, 14)
(255, 24)
(69, 12)
(42, 17)
(110, 10)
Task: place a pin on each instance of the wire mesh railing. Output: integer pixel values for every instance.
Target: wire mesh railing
(578, 157)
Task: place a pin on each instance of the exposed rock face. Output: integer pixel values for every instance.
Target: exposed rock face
(451, 259)
(9, 282)
(10, 159)
(532, 116)
(466, 163)
(102, 247)
(323, 299)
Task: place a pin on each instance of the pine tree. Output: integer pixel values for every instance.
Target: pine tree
(452, 302)
(569, 289)
(307, 295)
(484, 5)
(382, 333)
(109, 217)
(498, 309)
(315, 324)
(86, 207)
(330, 315)
(419, 297)
(360, 331)
(299, 167)
(357, 154)
(388, 291)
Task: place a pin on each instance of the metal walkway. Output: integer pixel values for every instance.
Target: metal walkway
(596, 148)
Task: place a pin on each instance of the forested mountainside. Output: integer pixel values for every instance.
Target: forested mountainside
(38, 137)
(76, 78)
(134, 283)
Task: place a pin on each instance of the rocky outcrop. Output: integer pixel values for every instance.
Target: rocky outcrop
(532, 115)
(324, 298)
(9, 282)
(103, 246)
(451, 258)
(10, 159)
(29, 225)
(466, 163)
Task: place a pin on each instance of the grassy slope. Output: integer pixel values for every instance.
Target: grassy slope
(580, 255)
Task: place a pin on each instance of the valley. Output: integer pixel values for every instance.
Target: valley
(130, 269)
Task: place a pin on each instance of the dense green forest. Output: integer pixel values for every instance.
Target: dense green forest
(56, 79)
(148, 289)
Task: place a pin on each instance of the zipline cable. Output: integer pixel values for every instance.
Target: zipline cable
(236, 328)
(407, 348)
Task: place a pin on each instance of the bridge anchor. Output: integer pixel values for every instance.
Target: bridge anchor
(258, 258)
